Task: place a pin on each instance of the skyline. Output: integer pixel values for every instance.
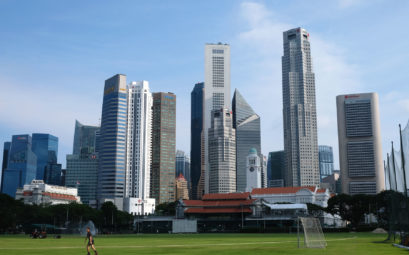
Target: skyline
(66, 82)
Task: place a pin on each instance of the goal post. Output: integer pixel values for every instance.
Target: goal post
(313, 235)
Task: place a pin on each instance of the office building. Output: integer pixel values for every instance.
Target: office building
(163, 147)
(183, 167)
(111, 172)
(299, 110)
(222, 152)
(247, 125)
(264, 179)
(216, 93)
(139, 147)
(360, 148)
(82, 165)
(85, 138)
(253, 170)
(45, 147)
(276, 169)
(196, 128)
(21, 166)
(52, 174)
(6, 150)
(326, 159)
(181, 188)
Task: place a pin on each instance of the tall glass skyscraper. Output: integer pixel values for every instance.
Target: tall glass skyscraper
(82, 165)
(299, 110)
(217, 92)
(21, 165)
(196, 128)
(45, 146)
(326, 158)
(163, 147)
(183, 167)
(247, 125)
(276, 169)
(6, 149)
(111, 173)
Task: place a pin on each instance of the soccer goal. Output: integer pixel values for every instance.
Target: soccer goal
(313, 236)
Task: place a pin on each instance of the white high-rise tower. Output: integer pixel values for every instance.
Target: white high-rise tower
(299, 111)
(216, 91)
(138, 149)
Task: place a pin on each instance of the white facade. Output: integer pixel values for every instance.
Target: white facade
(253, 172)
(138, 147)
(37, 192)
(300, 195)
(216, 91)
(139, 206)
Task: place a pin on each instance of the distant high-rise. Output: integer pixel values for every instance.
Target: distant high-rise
(163, 147)
(222, 153)
(247, 125)
(6, 150)
(264, 179)
(216, 92)
(45, 146)
(82, 165)
(299, 110)
(84, 138)
(360, 148)
(21, 166)
(139, 144)
(276, 169)
(326, 158)
(111, 173)
(52, 174)
(196, 128)
(183, 167)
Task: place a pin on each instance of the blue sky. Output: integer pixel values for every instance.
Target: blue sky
(55, 56)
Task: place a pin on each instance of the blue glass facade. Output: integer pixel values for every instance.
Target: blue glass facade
(6, 149)
(276, 166)
(196, 127)
(52, 174)
(45, 147)
(22, 164)
(111, 174)
(326, 159)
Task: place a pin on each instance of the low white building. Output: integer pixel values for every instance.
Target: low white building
(295, 195)
(39, 193)
(139, 206)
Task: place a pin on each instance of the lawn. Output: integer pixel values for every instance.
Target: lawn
(340, 243)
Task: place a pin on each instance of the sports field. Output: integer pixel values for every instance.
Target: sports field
(340, 243)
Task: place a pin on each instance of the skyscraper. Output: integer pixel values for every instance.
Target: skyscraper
(222, 152)
(326, 158)
(299, 110)
(196, 128)
(6, 150)
(163, 147)
(181, 187)
(217, 92)
(52, 174)
(84, 138)
(82, 165)
(247, 125)
(264, 179)
(360, 148)
(45, 146)
(21, 166)
(139, 146)
(276, 169)
(111, 173)
(183, 166)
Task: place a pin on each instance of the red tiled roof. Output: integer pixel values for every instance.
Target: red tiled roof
(60, 196)
(282, 190)
(218, 210)
(217, 203)
(227, 196)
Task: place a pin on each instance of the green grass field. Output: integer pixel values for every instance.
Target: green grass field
(340, 243)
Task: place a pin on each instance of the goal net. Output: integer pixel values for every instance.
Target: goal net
(313, 236)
